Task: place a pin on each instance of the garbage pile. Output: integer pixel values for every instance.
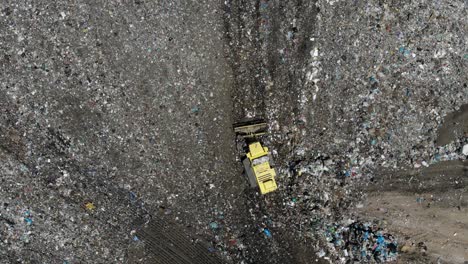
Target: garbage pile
(456, 150)
(312, 197)
(142, 91)
(361, 242)
(395, 85)
(67, 223)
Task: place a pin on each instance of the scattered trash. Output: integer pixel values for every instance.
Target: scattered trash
(90, 206)
(383, 210)
(195, 109)
(213, 225)
(27, 217)
(220, 215)
(132, 196)
(410, 247)
(25, 237)
(267, 232)
(232, 242)
(361, 241)
(28, 220)
(407, 249)
(134, 236)
(404, 51)
(465, 150)
(211, 249)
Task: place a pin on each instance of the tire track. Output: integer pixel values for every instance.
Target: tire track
(268, 78)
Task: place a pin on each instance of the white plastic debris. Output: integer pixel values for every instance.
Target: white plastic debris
(465, 150)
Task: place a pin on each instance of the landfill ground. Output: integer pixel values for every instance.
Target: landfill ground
(117, 145)
(434, 214)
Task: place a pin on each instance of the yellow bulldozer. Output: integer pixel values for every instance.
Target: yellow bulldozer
(257, 160)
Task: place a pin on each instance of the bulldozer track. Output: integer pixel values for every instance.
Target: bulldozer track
(436, 178)
(163, 240)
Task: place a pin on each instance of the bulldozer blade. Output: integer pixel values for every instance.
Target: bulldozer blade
(251, 127)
